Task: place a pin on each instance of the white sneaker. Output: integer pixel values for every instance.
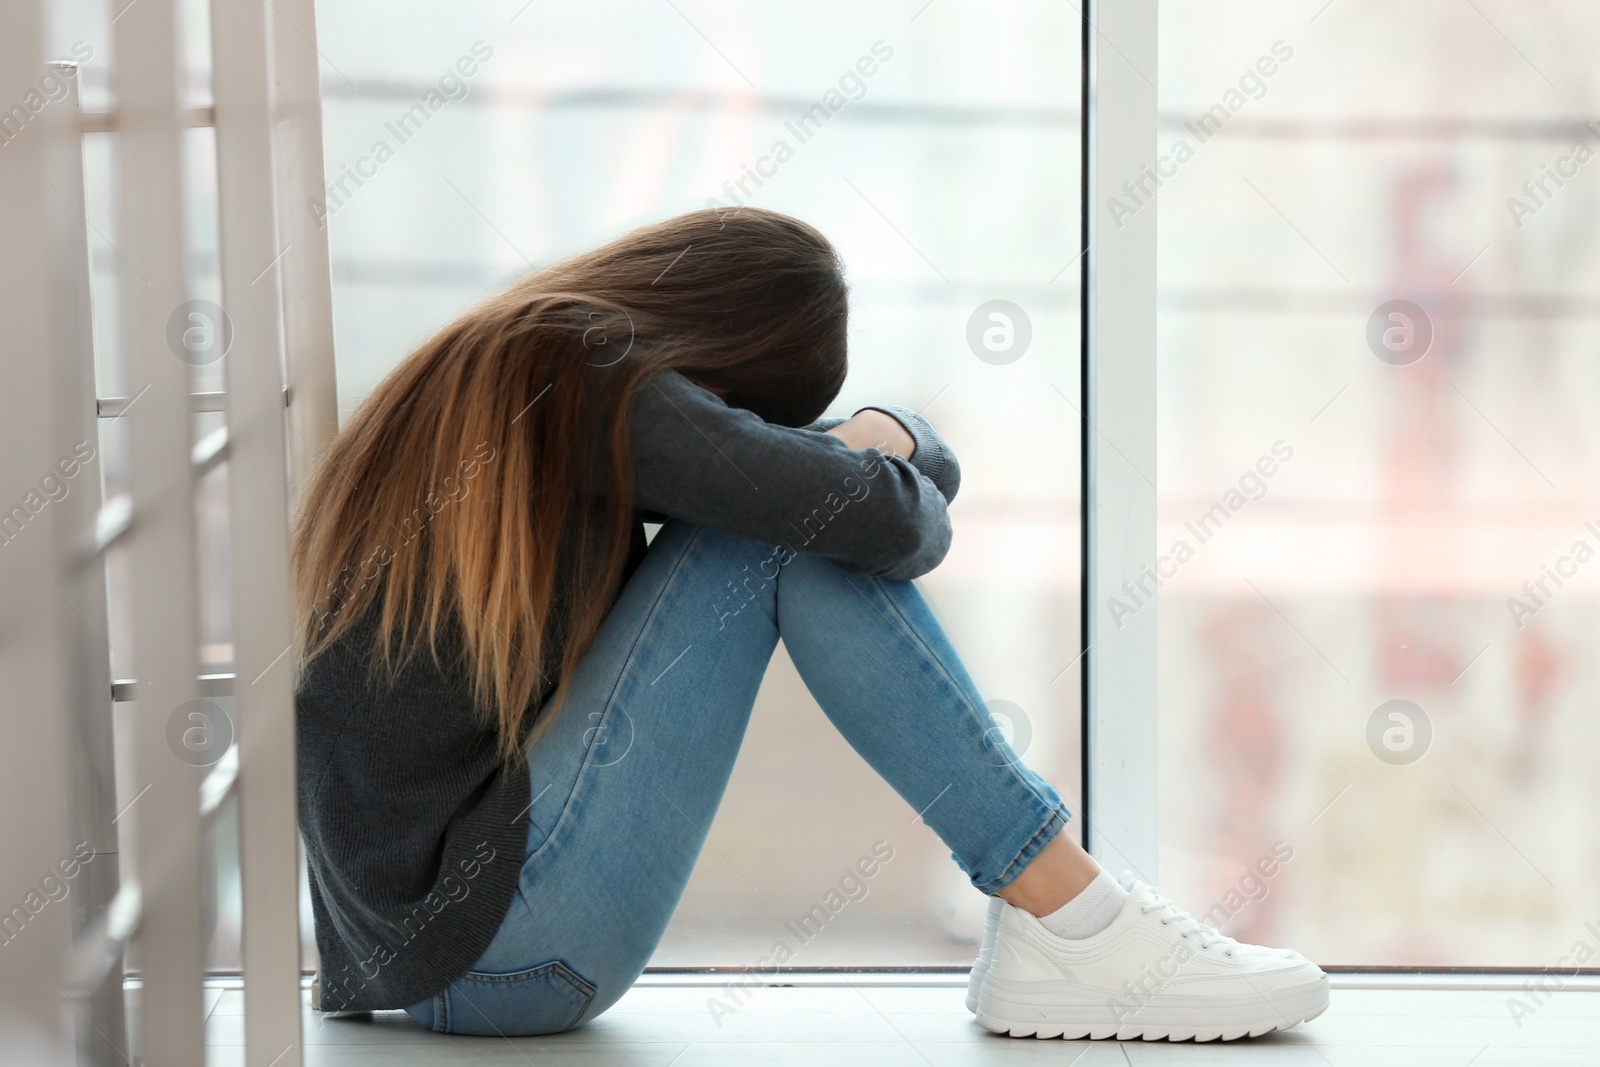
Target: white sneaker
(980, 967)
(1156, 972)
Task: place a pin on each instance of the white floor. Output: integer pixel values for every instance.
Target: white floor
(657, 1025)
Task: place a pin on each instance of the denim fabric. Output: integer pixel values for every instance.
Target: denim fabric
(632, 766)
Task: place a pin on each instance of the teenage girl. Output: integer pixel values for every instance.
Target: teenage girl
(515, 716)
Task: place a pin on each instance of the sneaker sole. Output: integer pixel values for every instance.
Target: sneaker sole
(1047, 1010)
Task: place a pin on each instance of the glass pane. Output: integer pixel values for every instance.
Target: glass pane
(1378, 474)
(943, 162)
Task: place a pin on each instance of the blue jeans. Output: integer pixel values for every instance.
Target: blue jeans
(633, 766)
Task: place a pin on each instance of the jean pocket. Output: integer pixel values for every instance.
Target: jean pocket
(544, 999)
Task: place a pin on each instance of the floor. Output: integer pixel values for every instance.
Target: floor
(876, 940)
(664, 1022)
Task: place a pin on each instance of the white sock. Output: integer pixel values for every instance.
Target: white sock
(1088, 913)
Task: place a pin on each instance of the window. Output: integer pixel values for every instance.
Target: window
(1376, 333)
(1376, 525)
(938, 148)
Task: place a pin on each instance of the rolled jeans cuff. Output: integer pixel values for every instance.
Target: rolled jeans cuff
(1054, 822)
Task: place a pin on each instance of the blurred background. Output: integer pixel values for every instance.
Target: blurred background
(1338, 157)
(1379, 163)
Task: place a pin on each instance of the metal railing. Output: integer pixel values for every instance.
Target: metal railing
(54, 648)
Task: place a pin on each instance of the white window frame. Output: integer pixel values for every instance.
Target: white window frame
(1118, 353)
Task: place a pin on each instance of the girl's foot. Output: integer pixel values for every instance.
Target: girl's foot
(1156, 972)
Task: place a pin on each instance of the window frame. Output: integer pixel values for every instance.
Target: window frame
(1118, 426)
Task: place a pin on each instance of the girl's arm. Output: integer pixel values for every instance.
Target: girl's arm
(833, 493)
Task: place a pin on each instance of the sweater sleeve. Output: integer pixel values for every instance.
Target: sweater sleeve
(932, 456)
(697, 459)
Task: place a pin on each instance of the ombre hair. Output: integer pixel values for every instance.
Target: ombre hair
(488, 476)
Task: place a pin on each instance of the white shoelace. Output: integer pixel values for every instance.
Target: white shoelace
(1188, 924)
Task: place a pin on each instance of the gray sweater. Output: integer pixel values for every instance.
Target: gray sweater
(414, 837)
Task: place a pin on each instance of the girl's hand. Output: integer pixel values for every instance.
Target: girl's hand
(875, 429)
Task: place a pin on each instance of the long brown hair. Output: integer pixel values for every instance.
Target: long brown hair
(485, 485)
